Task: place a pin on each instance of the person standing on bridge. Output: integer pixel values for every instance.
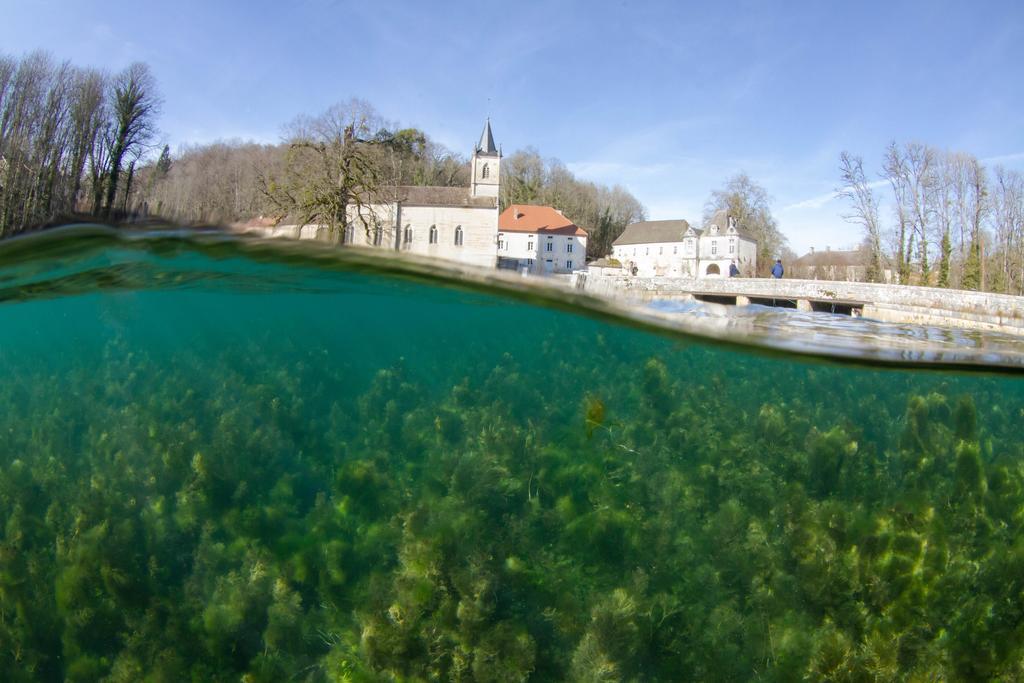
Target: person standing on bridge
(734, 270)
(777, 269)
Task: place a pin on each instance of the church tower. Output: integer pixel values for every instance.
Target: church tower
(486, 165)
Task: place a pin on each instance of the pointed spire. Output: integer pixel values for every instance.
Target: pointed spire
(486, 144)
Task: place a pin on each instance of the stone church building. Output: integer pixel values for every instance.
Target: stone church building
(456, 223)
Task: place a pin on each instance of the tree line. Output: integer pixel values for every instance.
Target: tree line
(71, 138)
(952, 222)
(80, 141)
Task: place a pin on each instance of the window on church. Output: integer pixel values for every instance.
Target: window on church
(378, 237)
(433, 234)
(407, 236)
(486, 172)
(458, 236)
(349, 236)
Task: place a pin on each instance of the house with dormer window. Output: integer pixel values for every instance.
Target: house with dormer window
(675, 248)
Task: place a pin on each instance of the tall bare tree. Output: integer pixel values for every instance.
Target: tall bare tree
(863, 211)
(329, 176)
(135, 105)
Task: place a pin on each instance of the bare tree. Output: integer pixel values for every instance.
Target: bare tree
(329, 177)
(1007, 213)
(895, 171)
(864, 210)
(135, 105)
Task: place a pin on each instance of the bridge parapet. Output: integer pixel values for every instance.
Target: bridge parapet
(893, 303)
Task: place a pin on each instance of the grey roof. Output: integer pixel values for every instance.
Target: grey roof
(486, 144)
(422, 195)
(721, 219)
(648, 232)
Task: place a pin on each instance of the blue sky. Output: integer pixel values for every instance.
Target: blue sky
(668, 99)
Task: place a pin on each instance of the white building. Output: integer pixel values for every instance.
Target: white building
(676, 248)
(539, 239)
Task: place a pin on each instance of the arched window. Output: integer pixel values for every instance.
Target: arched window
(713, 269)
(349, 236)
(407, 235)
(377, 237)
(433, 234)
(458, 236)
(486, 172)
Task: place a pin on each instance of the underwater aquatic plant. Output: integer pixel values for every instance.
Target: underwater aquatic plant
(289, 501)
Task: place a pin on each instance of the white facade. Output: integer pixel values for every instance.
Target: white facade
(676, 249)
(536, 252)
(455, 233)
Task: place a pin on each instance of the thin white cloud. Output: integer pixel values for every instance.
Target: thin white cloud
(823, 199)
(601, 170)
(1004, 158)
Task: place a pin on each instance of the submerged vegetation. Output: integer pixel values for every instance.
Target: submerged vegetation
(387, 481)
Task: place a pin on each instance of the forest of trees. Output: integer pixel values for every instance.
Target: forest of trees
(70, 138)
(952, 224)
(528, 178)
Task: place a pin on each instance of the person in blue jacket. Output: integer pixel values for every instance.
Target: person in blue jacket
(734, 270)
(777, 269)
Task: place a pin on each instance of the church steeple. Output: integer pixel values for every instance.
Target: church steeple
(486, 144)
(486, 165)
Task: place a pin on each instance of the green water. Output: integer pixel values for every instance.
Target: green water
(221, 462)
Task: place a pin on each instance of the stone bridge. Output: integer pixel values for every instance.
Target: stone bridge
(890, 303)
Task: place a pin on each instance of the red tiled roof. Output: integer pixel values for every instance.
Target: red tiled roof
(544, 219)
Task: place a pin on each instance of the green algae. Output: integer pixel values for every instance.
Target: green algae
(347, 476)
